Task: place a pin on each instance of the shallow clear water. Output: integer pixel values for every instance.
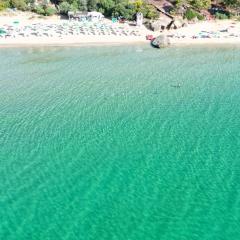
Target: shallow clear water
(100, 143)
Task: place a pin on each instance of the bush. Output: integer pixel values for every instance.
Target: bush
(200, 17)
(39, 10)
(201, 4)
(49, 11)
(82, 5)
(3, 5)
(74, 6)
(92, 5)
(44, 10)
(221, 16)
(19, 4)
(106, 7)
(191, 14)
(151, 12)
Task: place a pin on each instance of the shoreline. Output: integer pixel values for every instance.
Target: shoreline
(73, 43)
(101, 43)
(80, 44)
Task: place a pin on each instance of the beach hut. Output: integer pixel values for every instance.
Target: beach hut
(95, 16)
(81, 16)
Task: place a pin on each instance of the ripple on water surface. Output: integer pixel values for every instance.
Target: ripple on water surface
(119, 143)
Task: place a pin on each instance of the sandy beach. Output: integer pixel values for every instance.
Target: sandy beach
(26, 29)
(70, 40)
(208, 32)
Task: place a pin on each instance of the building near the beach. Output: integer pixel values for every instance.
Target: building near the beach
(95, 16)
(92, 16)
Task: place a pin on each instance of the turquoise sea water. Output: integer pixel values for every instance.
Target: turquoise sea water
(99, 143)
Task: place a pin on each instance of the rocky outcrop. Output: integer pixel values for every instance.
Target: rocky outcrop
(177, 23)
(165, 23)
(161, 41)
(160, 24)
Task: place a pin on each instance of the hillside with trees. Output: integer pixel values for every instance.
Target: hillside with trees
(124, 8)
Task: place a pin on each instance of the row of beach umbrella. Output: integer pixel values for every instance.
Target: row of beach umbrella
(66, 28)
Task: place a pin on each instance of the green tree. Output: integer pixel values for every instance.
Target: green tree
(232, 3)
(64, 7)
(39, 10)
(149, 11)
(106, 7)
(19, 4)
(92, 5)
(201, 4)
(49, 11)
(4, 4)
(82, 5)
(138, 5)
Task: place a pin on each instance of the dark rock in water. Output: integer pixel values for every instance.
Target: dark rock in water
(161, 41)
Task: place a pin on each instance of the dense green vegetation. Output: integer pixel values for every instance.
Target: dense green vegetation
(109, 8)
(191, 14)
(206, 4)
(115, 8)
